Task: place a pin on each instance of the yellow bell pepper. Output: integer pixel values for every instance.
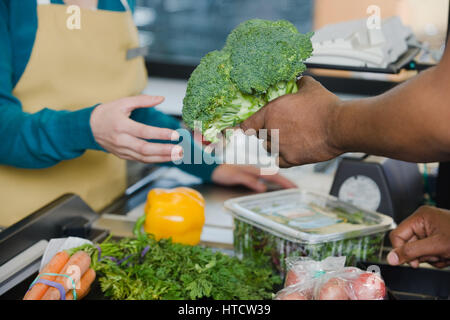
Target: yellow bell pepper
(175, 213)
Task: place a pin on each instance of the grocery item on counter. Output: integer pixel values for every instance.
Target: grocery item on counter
(148, 269)
(295, 222)
(56, 264)
(174, 213)
(65, 277)
(329, 279)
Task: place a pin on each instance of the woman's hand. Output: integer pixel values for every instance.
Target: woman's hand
(249, 176)
(423, 237)
(117, 133)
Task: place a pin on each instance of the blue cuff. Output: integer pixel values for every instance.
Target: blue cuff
(78, 128)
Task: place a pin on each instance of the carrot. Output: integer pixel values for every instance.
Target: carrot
(85, 285)
(55, 265)
(80, 260)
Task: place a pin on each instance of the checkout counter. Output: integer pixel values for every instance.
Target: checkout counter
(22, 245)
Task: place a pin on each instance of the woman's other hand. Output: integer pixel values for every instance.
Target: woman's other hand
(118, 134)
(249, 176)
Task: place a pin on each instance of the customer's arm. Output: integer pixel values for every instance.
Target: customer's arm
(409, 122)
(153, 117)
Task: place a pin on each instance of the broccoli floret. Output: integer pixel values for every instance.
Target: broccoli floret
(213, 99)
(260, 62)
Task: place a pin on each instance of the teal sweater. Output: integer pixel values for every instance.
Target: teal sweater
(44, 138)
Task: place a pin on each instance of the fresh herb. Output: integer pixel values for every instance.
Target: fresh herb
(146, 269)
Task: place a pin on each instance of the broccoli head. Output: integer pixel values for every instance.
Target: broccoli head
(261, 61)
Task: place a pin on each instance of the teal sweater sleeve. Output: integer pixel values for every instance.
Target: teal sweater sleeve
(44, 138)
(153, 117)
(41, 139)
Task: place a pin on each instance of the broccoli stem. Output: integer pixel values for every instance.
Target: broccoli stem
(281, 88)
(244, 105)
(241, 108)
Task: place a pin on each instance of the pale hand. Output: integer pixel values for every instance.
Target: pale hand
(117, 133)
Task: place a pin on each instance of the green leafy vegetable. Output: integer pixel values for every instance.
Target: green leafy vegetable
(175, 271)
(261, 61)
(250, 241)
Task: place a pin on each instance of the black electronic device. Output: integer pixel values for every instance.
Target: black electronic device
(380, 184)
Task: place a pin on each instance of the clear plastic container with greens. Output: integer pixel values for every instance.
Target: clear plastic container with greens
(295, 222)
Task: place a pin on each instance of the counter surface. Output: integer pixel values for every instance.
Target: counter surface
(218, 229)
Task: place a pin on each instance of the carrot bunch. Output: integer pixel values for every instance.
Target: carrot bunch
(75, 267)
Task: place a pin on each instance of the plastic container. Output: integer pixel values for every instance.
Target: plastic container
(299, 223)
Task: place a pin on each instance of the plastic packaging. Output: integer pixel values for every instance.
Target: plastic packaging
(299, 223)
(330, 280)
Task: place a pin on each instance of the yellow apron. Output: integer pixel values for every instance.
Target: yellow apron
(71, 69)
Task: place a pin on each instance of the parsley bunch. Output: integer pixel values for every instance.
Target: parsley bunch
(175, 271)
